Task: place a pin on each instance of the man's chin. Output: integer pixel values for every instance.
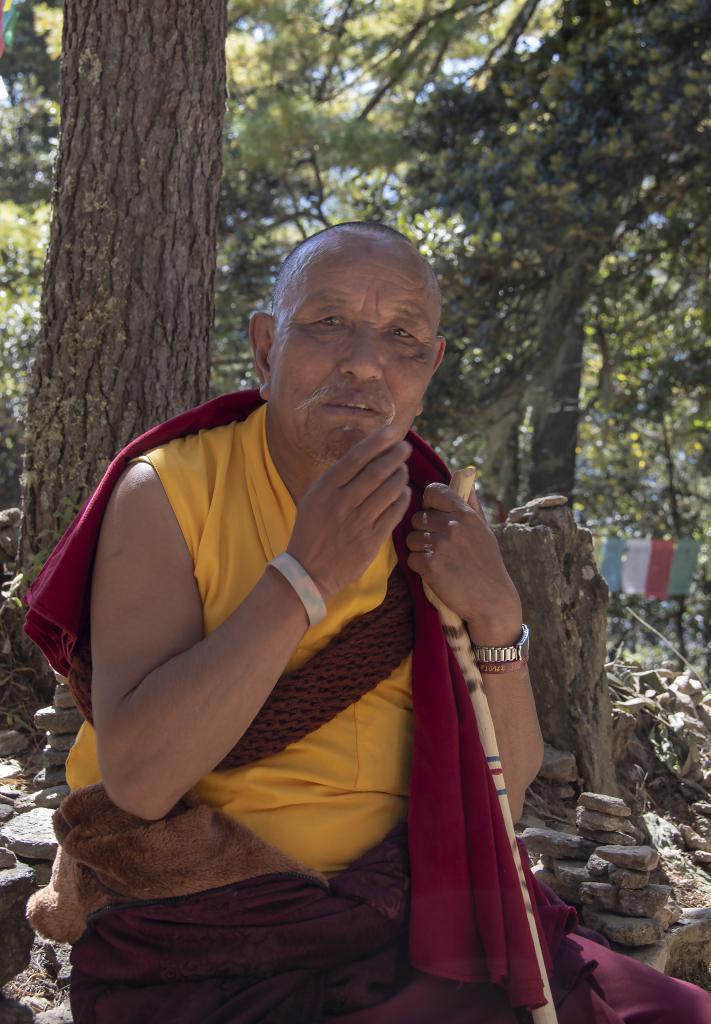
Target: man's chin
(332, 445)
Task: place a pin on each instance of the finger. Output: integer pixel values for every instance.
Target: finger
(365, 483)
(350, 464)
(419, 562)
(420, 540)
(476, 505)
(392, 516)
(432, 520)
(382, 497)
(439, 496)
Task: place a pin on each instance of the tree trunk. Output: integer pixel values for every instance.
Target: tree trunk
(555, 420)
(551, 561)
(128, 292)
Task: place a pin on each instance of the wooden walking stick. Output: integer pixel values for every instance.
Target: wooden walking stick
(458, 639)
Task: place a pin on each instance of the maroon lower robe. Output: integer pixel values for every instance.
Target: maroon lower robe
(287, 949)
(284, 948)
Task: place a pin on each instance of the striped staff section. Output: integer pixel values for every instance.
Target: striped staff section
(650, 566)
(458, 639)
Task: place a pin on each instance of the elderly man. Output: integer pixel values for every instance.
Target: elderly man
(280, 807)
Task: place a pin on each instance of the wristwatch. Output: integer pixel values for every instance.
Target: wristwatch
(516, 652)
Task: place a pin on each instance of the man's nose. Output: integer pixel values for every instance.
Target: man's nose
(362, 355)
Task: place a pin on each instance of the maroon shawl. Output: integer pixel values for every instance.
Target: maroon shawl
(467, 921)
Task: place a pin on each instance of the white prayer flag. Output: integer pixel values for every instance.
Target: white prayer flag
(635, 565)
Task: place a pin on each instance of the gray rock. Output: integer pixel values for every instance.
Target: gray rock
(702, 807)
(14, 1012)
(599, 894)
(663, 834)
(558, 765)
(598, 867)
(31, 835)
(8, 793)
(16, 885)
(604, 804)
(587, 819)
(546, 876)
(52, 756)
(51, 797)
(647, 902)
(689, 941)
(57, 1015)
(52, 775)
(701, 857)
(674, 911)
(639, 858)
(42, 870)
(61, 741)
(7, 858)
(600, 838)
(569, 876)
(55, 957)
(654, 955)
(520, 513)
(693, 840)
(68, 720)
(564, 791)
(10, 769)
(11, 742)
(563, 845)
(25, 803)
(627, 931)
(63, 697)
(6, 812)
(627, 878)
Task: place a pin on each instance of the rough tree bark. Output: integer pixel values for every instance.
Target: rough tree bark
(551, 561)
(556, 411)
(128, 291)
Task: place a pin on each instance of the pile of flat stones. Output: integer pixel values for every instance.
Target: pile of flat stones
(60, 722)
(26, 818)
(28, 847)
(606, 871)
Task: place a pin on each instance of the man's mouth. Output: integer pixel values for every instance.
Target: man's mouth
(352, 408)
(353, 405)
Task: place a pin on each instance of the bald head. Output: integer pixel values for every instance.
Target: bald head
(336, 237)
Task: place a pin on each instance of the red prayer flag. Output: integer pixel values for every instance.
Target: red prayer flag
(660, 562)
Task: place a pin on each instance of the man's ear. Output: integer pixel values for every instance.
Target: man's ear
(261, 338)
(441, 344)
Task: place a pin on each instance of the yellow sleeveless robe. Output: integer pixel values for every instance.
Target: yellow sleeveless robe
(332, 795)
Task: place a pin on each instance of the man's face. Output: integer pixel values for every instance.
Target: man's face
(352, 346)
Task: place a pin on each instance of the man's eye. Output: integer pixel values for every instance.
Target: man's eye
(335, 320)
(404, 333)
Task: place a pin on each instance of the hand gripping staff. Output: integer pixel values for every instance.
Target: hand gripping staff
(458, 639)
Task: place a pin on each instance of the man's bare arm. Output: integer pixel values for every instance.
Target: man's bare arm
(169, 704)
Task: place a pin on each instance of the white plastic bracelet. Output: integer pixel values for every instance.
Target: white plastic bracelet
(310, 595)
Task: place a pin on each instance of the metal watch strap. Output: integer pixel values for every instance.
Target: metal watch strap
(516, 652)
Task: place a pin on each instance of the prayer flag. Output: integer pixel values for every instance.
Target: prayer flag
(636, 565)
(8, 17)
(660, 563)
(683, 565)
(611, 562)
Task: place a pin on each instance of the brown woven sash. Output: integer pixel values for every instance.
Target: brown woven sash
(364, 653)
